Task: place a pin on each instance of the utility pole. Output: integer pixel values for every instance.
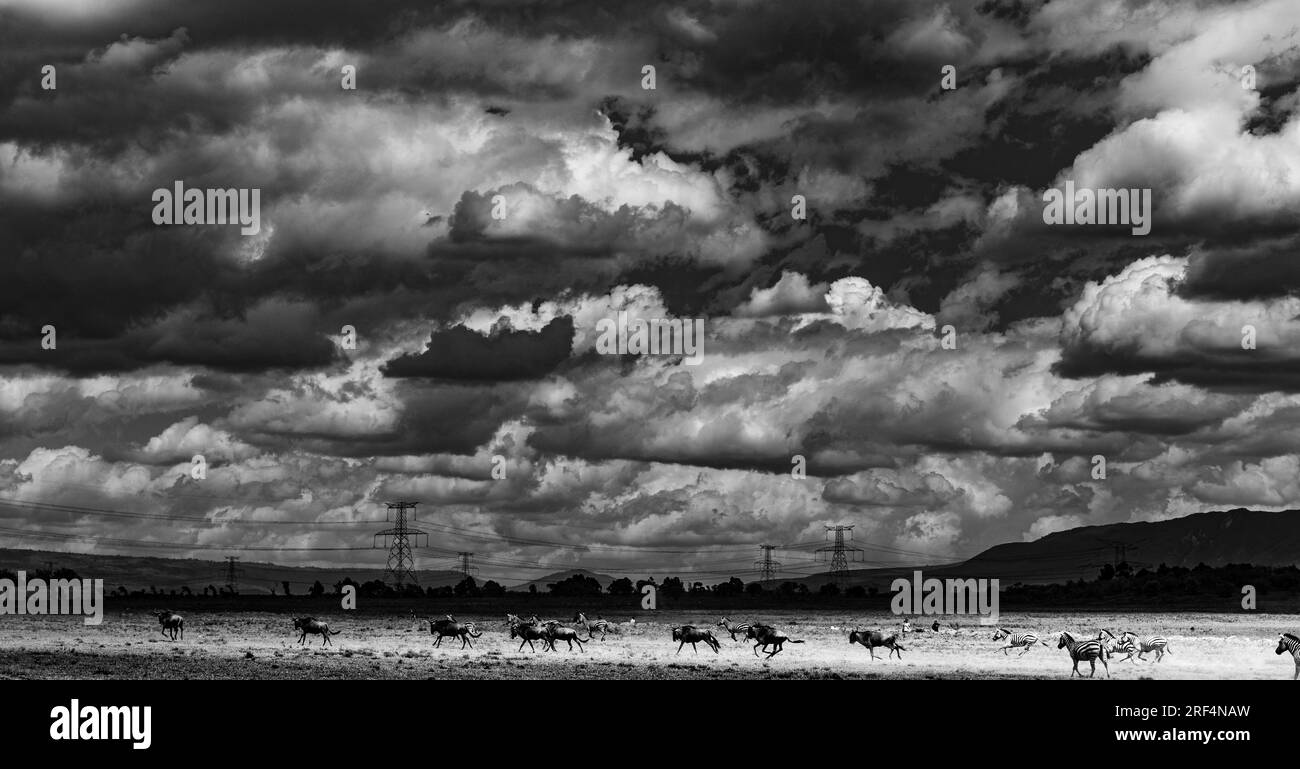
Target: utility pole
(841, 553)
(401, 562)
(767, 568)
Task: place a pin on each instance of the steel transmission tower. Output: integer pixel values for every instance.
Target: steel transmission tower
(401, 562)
(767, 568)
(465, 568)
(841, 553)
(230, 574)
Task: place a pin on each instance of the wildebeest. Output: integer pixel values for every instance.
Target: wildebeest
(766, 635)
(557, 632)
(307, 625)
(450, 627)
(171, 621)
(689, 634)
(528, 631)
(874, 638)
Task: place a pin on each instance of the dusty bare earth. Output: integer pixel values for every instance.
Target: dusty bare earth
(242, 645)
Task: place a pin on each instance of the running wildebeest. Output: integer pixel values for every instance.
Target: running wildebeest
(766, 635)
(171, 621)
(874, 638)
(307, 625)
(689, 634)
(558, 632)
(528, 631)
(450, 627)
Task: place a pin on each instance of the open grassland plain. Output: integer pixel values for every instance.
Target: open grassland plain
(259, 645)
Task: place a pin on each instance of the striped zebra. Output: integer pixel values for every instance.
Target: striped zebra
(1155, 643)
(601, 624)
(1016, 640)
(1114, 645)
(1290, 642)
(742, 628)
(1091, 650)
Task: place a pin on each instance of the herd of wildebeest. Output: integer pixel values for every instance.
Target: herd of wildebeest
(766, 638)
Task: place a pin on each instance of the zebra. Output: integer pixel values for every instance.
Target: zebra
(1016, 640)
(1091, 650)
(1114, 645)
(1290, 642)
(601, 624)
(1155, 643)
(742, 628)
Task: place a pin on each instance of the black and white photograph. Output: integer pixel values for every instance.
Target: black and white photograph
(888, 341)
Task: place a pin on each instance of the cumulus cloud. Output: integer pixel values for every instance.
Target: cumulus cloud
(498, 185)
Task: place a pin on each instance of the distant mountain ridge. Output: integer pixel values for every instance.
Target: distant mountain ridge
(543, 583)
(1213, 538)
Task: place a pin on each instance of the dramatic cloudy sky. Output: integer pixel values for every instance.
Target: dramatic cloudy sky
(477, 335)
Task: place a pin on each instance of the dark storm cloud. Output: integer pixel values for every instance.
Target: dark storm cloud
(458, 353)
(1261, 269)
(1246, 371)
(269, 336)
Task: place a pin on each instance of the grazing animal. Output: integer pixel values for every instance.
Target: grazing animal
(528, 631)
(1091, 650)
(689, 634)
(1157, 644)
(601, 624)
(1016, 640)
(171, 622)
(557, 632)
(742, 628)
(450, 627)
(874, 638)
(307, 625)
(1290, 642)
(765, 636)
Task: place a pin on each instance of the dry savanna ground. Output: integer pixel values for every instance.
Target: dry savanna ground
(242, 645)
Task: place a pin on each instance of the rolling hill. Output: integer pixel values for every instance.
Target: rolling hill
(543, 582)
(166, 574)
